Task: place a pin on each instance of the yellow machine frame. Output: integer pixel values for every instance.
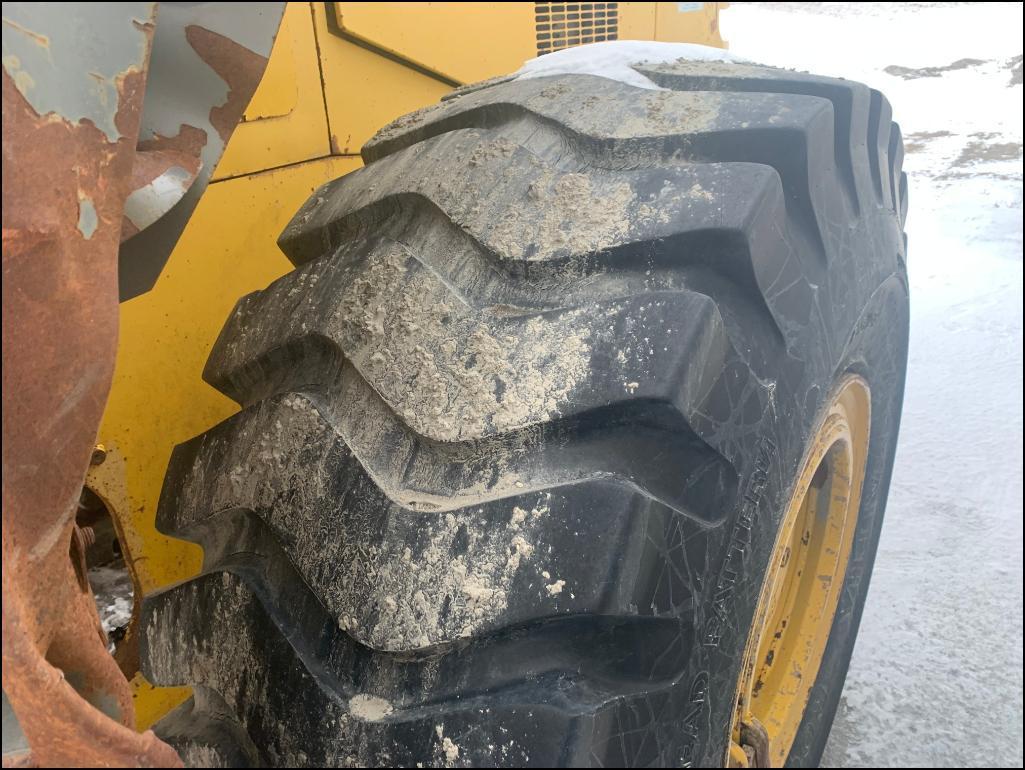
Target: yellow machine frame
(337, 73)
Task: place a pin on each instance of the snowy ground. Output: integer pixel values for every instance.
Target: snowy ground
(112, 590)
(936, 678)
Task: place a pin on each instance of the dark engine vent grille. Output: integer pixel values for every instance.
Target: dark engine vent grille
(563, 25)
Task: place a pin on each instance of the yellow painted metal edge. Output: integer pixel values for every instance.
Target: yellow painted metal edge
(291, 86)
(364, 91)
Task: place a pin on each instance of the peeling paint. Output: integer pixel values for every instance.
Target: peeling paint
(66, 156)
(147, 204)
(87, 220)
(58, 75)
(239, 67)
(221, 53)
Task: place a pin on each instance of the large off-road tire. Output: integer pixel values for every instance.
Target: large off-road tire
(517, 433)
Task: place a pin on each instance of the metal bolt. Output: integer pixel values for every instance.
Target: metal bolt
(99, 455)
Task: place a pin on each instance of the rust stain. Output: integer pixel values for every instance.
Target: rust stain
(149, 164)
(239, 67)
(41, 40)
(128, 229)
(131, 86)
(146, 27)
(188, 143)
(159, 153)
(59, 339)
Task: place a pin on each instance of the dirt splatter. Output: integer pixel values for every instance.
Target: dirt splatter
(910, 73)
(400, 330)
(369, 707)
(984, 152)
(460, 582)
(575, 218)
(918, 141)
(448, 747)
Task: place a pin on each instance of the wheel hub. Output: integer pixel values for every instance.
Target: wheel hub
(799, 596)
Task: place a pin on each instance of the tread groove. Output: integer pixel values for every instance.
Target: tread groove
(483, 280)
(875, 121)
(344, 667)
(840, 93)
(896, 156)
(649, 429)
(549, 138)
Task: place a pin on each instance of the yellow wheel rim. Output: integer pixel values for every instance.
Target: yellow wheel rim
(802, 585)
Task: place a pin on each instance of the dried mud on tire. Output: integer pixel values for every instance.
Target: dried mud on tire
(517, 431)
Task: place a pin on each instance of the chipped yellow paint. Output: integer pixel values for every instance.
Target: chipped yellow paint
(799, 596)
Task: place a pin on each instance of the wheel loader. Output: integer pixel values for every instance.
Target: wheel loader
(460, 384)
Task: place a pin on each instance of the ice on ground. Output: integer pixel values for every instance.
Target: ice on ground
(616, 60)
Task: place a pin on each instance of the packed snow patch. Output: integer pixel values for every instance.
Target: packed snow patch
(616, 59)
(113, 593)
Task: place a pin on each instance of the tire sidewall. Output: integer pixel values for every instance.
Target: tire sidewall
(876, 351)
